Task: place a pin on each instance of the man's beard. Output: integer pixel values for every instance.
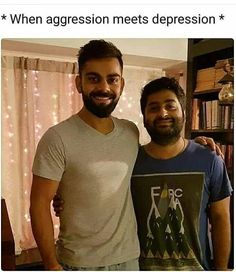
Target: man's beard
(167, 135)
(100, 110)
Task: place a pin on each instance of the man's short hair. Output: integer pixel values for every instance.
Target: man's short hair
(158, 85)
(97, 49)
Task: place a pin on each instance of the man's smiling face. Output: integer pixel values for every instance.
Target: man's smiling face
(101, 85)
(163, 117)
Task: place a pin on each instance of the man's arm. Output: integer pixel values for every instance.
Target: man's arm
(220, 221)
(42, 193)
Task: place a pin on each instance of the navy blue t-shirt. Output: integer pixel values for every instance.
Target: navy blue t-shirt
(171, 199)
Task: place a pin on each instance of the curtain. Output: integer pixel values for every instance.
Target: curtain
(37, 94)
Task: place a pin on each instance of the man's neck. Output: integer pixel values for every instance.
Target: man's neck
(166, 152)
(103, 125)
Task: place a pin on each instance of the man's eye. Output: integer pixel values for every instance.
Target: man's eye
(170, 107)
(153, 109)
(113, 80)
(93, 79)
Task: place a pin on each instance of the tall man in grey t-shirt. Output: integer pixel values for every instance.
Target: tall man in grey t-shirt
(89, 159)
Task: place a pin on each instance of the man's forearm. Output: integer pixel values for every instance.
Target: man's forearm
(221, 242)
(42, 227)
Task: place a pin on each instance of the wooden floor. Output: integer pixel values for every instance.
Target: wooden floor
(29, 260)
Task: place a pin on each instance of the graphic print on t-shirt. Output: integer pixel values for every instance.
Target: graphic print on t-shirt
(167, 208)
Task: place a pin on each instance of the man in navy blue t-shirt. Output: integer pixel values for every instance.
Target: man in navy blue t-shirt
(181, 190)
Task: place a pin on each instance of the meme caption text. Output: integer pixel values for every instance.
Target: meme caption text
(93, 19)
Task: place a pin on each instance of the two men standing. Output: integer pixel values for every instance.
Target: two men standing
(89, 159)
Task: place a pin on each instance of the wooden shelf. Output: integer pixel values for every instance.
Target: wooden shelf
(212, 131)
(207, 92)
(211, 94)
(225, 136)
(221, 103)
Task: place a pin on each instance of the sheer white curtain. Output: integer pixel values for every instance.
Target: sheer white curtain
(37, 94)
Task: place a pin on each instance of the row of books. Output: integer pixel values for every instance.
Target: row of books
(227, 151)
(211, 115)
(208, 78)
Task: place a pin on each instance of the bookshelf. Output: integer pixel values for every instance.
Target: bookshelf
(203, 55)
(205, 114)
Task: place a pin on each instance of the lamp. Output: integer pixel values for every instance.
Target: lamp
(226, 94)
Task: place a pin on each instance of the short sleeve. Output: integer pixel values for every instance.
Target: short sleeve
(49, 160)
(220, 183)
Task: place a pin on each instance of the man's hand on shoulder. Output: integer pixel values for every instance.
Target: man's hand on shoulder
(207, 141)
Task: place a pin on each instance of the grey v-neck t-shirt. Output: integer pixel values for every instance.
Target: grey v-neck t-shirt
(97, 225)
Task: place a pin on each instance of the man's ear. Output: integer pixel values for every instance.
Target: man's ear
(78, 83)
(122, 85)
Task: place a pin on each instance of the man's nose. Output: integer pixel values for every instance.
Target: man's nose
(163, 112)
(103, 85)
